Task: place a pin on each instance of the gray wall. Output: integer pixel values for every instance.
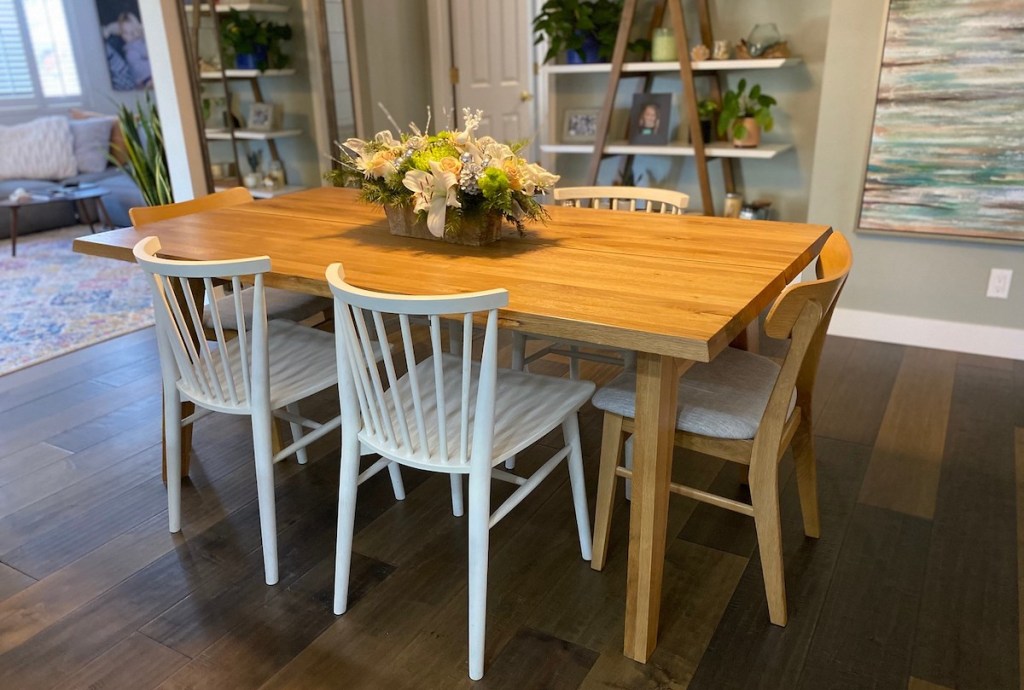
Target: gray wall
(394, 62)
(938, 279)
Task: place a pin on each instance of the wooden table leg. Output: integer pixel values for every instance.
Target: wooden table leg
(14, 230)
(656, 392)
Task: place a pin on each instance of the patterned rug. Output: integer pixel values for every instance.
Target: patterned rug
(54, 301)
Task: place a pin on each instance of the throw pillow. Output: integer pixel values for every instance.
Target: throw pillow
(117, 147)
(92, 143)
(42, 149)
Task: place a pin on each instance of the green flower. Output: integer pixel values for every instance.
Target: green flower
(493, 183)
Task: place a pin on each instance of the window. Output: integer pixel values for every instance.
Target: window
(48, 69)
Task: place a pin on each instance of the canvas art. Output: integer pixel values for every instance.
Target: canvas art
(125, 44)
(947, 148)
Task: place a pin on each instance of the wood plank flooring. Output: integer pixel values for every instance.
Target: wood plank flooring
(915, 583)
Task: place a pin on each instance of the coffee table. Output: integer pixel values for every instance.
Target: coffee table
(74, 195)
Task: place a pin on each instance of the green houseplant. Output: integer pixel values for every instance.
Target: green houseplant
(144, 151)
(745, 114)
(254, 43)
(585, 28)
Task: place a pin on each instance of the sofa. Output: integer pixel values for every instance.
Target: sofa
(52, 151)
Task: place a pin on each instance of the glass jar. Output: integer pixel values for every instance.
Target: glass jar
(733, 204)
(276, 173)
(761, 38)
(663, 45)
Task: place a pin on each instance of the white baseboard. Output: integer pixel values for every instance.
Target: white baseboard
(978, 339)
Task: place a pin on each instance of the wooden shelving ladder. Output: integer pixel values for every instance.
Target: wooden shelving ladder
(687, 101)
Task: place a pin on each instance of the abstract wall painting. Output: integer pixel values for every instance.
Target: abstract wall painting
(947, 148)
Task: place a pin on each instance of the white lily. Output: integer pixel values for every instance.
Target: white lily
(433, 192)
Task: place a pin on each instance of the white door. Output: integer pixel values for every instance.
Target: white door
(492, 50)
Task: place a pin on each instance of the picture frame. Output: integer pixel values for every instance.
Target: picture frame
(124, 43)
(579, 125)
(650, 119)
(261, 117)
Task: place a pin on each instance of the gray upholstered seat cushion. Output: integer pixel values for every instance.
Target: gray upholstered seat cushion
(281, 304)
(723, 399)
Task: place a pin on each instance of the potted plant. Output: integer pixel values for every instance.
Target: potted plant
(143, 150)
(254, 43)
(745, 114)
(706, 109)
(585, 28)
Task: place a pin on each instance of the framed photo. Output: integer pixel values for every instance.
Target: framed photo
(261, 117)
(649, 118)
(124, 42)
(580, 125)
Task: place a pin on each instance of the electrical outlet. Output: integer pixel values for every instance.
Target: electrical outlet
(999, 283)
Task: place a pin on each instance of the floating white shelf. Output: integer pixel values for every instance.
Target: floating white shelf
(223, 134)
(266, 193)
(222, 7)
(248, 73)
(645, 67)
(716, 150)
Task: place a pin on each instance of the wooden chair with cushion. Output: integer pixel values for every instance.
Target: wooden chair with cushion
(262, 373)
(446, 414)
(747, 409)
(616, 199)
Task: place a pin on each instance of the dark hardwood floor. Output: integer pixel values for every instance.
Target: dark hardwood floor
(915, 582)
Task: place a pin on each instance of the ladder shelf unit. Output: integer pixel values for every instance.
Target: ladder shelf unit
(689, 72)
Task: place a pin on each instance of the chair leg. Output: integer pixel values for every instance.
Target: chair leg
(767, 521)
(627, 462)
(262, 423)
(518, 351)
(300, 454)
(455, 333)
(172, 455)
(347, 488)
(807, 477)
(571, 433)
(629, 360)
(456, 494)
(611, 453)
(479, 538)
(397, 485)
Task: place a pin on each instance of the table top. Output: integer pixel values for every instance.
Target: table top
(682, 286)
(59, 194)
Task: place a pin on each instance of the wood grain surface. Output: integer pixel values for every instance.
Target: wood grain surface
(682, 287)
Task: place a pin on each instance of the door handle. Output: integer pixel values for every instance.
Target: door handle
(525, 96)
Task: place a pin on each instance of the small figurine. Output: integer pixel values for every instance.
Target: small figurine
(699, 53)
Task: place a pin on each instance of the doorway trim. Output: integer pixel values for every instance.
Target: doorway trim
(439, 27)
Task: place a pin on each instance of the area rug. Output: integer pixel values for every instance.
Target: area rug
(54, 301)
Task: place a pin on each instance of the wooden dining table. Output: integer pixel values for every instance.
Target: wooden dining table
(676, 289)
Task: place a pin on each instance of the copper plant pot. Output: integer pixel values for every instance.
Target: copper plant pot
(752, 137)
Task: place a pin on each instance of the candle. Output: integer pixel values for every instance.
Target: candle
(663, 45)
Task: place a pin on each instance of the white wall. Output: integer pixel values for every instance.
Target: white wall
(939, 280)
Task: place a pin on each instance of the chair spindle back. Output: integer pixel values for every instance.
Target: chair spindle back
(623, 198)
(224, 374)
(407, 418)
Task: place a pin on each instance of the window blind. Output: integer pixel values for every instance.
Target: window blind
(51, 47)
(15, 79)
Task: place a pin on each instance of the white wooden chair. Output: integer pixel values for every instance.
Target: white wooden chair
(446, 414)
(280, 304)
(616, 199)
(259, 373)
(747, 409)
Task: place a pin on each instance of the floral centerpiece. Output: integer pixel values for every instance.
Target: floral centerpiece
(451, 185)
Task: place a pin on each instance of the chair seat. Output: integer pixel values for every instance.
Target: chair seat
(281, 304)
(527, 407)
(723, 399)
(302, 362)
